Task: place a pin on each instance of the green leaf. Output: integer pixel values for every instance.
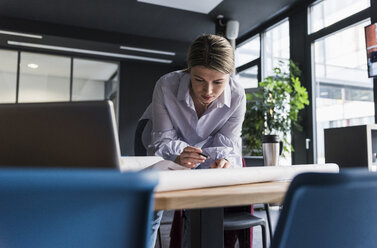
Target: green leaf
(274, 107)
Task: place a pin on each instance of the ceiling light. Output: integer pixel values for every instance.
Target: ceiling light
(21, 34)
(76, 50)
(199, 6)
(33, 66)
(146, 50)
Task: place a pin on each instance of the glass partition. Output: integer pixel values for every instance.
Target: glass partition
(44, 78)
(8, 76)
(54, 78)
(93, 80)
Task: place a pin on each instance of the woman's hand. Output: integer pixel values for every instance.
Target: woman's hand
(221, 163)
(190, 157)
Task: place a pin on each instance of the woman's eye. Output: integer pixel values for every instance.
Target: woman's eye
(218, 82)
(199, 80)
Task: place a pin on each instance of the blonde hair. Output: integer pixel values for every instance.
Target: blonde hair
(213, 52)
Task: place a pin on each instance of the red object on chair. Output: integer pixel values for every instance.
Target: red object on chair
(176, 230)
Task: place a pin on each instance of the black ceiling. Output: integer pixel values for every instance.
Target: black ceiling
(136, 19)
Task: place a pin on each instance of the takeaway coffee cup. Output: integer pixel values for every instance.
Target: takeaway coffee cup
(272, 149)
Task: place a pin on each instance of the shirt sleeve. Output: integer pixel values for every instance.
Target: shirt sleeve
(165, 141)
(227, 142)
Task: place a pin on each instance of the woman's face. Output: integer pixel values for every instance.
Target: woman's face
(207, 84)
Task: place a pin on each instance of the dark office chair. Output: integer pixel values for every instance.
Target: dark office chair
(75, 208)
(235, 218)
(242, 218)
(329, 210)
(139, 148)
(239, 220)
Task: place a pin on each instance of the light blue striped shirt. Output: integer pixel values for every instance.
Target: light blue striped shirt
(176, 125)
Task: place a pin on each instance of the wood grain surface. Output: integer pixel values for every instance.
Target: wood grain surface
(235, 195)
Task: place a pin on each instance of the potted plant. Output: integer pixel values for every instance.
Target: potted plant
(273, 109)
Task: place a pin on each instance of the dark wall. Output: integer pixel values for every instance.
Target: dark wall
(137, 82)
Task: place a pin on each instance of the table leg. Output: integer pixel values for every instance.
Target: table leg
(267, 207)
(207, 228)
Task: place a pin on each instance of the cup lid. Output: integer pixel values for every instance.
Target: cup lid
(270, 139)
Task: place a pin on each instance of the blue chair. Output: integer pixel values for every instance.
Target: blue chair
(75, 208)
(329, 210)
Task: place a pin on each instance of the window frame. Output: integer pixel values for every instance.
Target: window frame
(311, 39)
(305, 142)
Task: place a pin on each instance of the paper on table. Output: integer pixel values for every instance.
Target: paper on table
(166, 165)
(189, 179)
(136, 163)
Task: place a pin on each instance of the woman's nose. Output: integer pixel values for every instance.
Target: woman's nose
(208, 88)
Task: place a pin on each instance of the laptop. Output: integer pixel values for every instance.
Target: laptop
(62, 134)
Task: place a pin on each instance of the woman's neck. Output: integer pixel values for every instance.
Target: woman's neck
(200, 108)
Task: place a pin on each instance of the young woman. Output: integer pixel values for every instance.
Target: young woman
(196, 114)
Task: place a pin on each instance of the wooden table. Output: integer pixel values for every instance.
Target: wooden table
(207, 206)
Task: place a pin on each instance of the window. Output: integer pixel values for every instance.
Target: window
(8, 76)
(44, 78)
(248, 51)
(248, 78)
(276, 50)
(343, 91)
(275, 47)
(324, 13)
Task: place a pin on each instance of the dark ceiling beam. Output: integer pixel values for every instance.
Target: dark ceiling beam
(279, 16)
(55, 33)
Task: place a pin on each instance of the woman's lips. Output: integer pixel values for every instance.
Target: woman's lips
(207, 98)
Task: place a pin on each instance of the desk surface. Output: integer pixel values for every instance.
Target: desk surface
(234, 195)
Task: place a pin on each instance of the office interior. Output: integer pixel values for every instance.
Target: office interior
(110, 36)
(62, 51)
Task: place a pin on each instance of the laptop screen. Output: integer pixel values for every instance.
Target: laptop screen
(70, 134)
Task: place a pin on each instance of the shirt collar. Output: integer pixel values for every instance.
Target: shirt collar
(184, 87)
(226, 97)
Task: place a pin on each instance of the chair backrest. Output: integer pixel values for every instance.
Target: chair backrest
(59, 134)
(75, 208)
(139, 148)
(329, 210)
